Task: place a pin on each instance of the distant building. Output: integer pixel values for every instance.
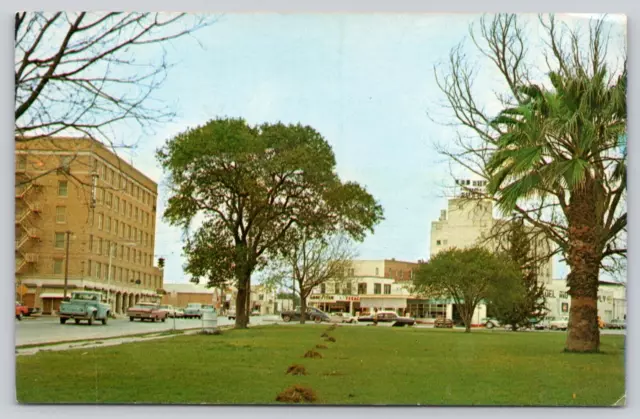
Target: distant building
(107, 206)
(612, 300)
(384, 268)
(179, 295)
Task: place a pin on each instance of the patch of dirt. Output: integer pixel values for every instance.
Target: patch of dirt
(297, 369)
(297, 394)
(313, 354)
(330, 339)
(320, 346)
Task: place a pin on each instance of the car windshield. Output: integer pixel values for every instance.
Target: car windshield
(164, 306)
(194, 305)
(86, 297)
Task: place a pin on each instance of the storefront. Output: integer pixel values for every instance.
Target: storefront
(381, 303)
(335, 303)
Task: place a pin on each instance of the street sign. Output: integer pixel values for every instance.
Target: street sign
(22, 290)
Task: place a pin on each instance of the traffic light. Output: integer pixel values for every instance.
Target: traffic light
(160, 263)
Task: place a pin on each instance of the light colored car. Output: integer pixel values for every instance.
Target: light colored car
(561, 323)
(179, 313)
(171, 312)
(490, 323)
(341, 318)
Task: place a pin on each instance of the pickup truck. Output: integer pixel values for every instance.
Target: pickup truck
(21, 310)
(146, 311)
(84, 305)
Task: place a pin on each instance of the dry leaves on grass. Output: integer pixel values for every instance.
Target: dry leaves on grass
(320, 346)
(297, 369)
(330, 339)
(313, 354)
(297, 394)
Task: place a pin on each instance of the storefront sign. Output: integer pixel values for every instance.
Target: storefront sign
(353, 298)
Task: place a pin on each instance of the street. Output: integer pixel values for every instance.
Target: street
(49, 329)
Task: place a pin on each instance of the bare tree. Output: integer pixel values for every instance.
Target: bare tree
(313, 262)
(78, 74)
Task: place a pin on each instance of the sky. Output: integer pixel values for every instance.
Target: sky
(364, 81)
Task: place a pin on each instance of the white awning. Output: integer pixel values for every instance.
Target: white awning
(52, 295)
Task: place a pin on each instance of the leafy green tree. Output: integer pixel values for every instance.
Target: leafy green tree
(252, 186)
(468, 276)
(556, 155)
(519, 304)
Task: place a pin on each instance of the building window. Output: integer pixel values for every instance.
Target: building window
(59, 241)
(401, 276)
(387, 288)
(128, 254)
(107, 246)
(135, 212)
(377, 288)
(115, 227)
(362, 288)
(445, 242)
(90, 245)
(108, 225)
(89, 267)
(124, 207)
(109, 198)
(99, 221)
(323, 289)
(99, 249)
(21, 162)
(129, 232)
(116, 204)
(98, 270)
(377, 272)
(57, 266)
(438, 242)
(346, 288)
(120, 274)
(130, 209)
(63, 188)
(61, 214)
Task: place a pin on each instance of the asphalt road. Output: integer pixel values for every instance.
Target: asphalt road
(49, 329)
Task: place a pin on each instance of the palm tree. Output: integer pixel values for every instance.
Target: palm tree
(564, 143)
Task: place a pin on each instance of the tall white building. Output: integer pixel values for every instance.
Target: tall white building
(467, 222)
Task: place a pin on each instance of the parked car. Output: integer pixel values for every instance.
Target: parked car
(443, 322)
(490, 323)
(543, 324)
(255, 313)
(171, 312)
(231, 315)
(561, 323)
(193, 311)
(146, 311)
(616, 324)
(390, 317)
(342, 318)
(312, 314)
(179, 313)
(84, 305)
(21, 310)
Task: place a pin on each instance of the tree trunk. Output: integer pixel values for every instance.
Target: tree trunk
(583, 258)
(243, 298)
(466, 313)
(242, 319)
(303, 307)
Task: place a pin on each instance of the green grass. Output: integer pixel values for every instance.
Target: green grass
(366, 365)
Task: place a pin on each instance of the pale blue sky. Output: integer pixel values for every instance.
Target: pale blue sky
(364, 81)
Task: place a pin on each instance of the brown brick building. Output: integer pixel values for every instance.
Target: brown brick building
(79, 189)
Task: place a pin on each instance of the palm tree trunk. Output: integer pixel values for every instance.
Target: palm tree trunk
(584, 261)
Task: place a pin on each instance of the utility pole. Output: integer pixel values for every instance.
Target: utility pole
(111, 247)
(66, 266)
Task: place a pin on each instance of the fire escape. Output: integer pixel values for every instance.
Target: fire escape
(27, 211)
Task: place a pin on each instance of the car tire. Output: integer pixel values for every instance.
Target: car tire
(106, 319)
(164, 319)
(63, 320)
(91, 318)
(317, 319)
(77, 321)
(286, 319)
(553, 328)
(489, 325)
(130, 319)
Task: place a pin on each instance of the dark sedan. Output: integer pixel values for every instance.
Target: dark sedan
(388, 317)
(313, 314)
(616, 324)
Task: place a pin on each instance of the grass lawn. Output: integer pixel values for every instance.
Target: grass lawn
(366, 365)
